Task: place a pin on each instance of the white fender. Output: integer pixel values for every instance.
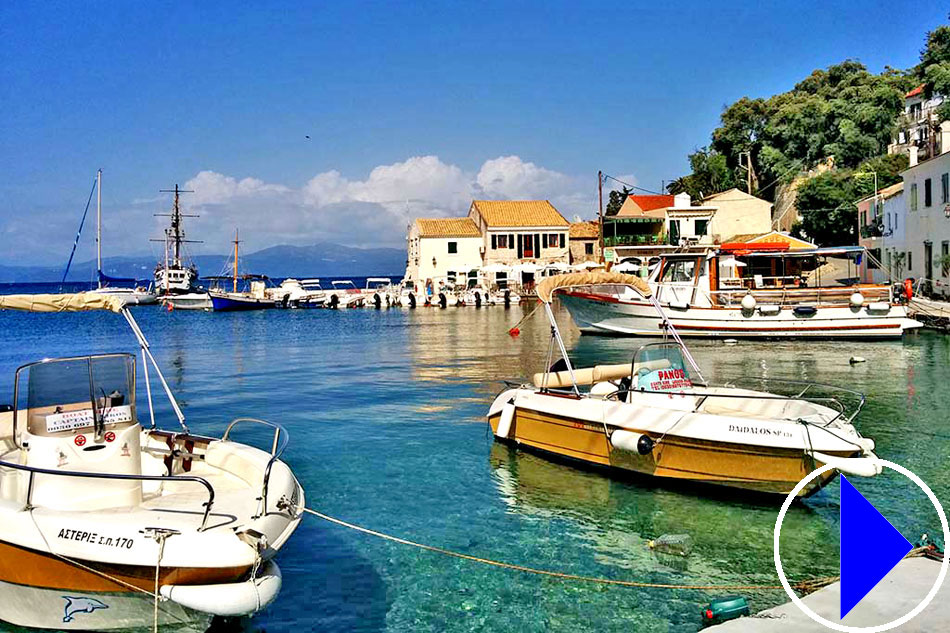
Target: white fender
(229, 599)
(626, 440)
(507, 417)
(859, 466)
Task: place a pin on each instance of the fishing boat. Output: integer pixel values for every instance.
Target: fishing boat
(198, 300)
(136, 295)
(658, 416)
(109, 522)
(344, 294)
(172, 275)
(256, 297)
(744, 290)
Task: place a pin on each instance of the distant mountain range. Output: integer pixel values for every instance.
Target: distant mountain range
(317, 260)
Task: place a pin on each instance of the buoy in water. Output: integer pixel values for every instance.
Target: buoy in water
(857, 359)
(723, 609)
(731, 341)
(514, 331)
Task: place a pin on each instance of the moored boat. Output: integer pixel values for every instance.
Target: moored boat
(173, 275)
(108, 522)
(742, 292)
(658, 416)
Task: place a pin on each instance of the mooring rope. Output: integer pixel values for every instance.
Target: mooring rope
(805, 586)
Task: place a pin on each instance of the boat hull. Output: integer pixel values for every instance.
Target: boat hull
(189, 301)
(604, 314)
(761, 469)
(235, 303)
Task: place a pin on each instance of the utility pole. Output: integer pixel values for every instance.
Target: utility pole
(748, 170)
(600, 212)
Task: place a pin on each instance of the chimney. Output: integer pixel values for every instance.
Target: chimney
(681, 200)
(912, 152)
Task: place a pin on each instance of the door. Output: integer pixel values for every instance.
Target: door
(928, 267)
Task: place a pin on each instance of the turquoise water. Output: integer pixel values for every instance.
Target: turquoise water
(386, 415)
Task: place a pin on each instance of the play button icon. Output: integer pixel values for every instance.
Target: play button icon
(870, 546)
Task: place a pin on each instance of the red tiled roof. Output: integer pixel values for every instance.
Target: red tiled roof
(649, 203)
(916, 91)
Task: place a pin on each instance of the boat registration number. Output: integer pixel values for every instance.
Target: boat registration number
(96, 539)
(71, 420)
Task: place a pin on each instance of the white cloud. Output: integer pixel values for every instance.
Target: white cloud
(374, 211)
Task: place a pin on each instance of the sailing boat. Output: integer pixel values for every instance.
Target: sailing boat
(128, 296)
(172, 276)
(256, 298)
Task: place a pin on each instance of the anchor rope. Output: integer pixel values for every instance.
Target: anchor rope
(804, 586)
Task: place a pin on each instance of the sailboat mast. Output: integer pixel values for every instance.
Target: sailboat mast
(236, 242)
(99, 229)
(176, 229)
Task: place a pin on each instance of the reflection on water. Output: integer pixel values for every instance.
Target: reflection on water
(385, 411)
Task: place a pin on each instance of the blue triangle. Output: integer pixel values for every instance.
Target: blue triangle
(870, 546)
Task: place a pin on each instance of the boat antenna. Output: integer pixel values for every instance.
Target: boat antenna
(235, 267)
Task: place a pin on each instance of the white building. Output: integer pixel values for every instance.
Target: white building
(689, 224)
(920, 128)
(926, 225)
(441, 249)
(738, 213)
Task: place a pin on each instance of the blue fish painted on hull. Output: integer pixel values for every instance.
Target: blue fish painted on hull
(80, 604)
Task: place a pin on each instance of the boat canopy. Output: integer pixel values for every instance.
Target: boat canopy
(77, 302)
(752, 250)
(546, 288)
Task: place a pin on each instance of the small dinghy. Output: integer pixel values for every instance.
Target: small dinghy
(658, 416)
(108, 523)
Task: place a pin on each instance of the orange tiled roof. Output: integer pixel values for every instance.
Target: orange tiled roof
(447, 227)
(584, 230)
(519, 213)
(916, 91)
(645, 206)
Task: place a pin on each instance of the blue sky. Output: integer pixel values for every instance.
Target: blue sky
(430, 95)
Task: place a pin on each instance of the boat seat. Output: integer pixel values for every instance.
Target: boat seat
(752, 407)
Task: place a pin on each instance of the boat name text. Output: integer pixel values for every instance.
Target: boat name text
(758, 430)
(96, 539)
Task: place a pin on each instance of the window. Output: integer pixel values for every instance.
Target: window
(913, 196)
(910, 261)
(589, 248)
(701, 226)
(864, 219)
(453, 248)
(945, 257)
(554, 240)
(927, 197)
(945, 189)
(450, 276)
(502, 241)
(679, 270)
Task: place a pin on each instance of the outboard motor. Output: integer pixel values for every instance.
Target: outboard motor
(443, 301)
(412, 300)
(478, 299)
(377, 300)
(334, 302)
(507, 298)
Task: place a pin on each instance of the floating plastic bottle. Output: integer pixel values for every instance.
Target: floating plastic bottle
(675, 544)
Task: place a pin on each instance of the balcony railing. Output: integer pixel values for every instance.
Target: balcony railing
(634, 240)
(872, 230)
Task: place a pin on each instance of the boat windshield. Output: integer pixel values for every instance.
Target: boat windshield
(75, 393)
(661, 367)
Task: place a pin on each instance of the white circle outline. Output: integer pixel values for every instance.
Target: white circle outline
(861, 629)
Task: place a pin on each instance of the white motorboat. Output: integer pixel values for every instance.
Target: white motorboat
(293, 293)
(108, 522)
(344, 294)
(748, 293)
(379, 292)
(659, 417)
(408, 295)
(188, 301)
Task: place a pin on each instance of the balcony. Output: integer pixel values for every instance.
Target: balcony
(872, 230)
(634, 240)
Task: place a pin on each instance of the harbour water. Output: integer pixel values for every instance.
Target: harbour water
(386, 415)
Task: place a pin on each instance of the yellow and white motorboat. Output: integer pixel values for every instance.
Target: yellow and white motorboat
(109, 523)
(658, 416)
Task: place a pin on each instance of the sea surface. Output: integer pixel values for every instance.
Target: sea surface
(385, 410)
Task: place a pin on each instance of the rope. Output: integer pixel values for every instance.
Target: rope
(539, 572)
(158, 566)
(525, 318)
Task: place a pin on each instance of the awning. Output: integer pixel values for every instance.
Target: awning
(78, 302)
(634, 220)
(546, 288)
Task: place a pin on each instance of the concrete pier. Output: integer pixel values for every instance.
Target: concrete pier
(900, 591)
